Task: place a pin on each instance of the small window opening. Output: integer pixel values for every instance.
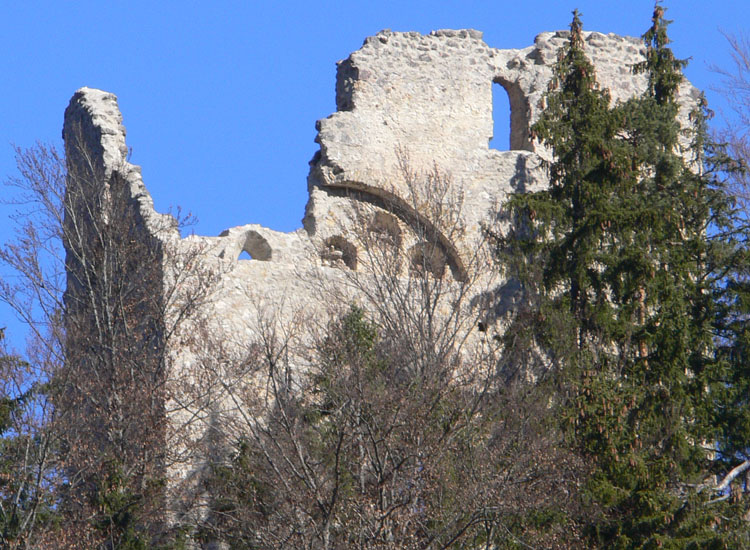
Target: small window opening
(255, 247)
(338, 252)
(500, 118)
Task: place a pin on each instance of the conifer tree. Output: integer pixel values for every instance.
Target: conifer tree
(623, 304)
(561, 232)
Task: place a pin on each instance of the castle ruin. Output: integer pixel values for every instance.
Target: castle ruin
(408, 105)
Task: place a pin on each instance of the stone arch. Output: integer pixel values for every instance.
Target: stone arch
(256, 246)
(337, 251)
(520, 131)
(390, 202)
(427, 257)
(386, 226)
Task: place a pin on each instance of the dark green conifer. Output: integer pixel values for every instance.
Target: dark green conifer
(624, 302)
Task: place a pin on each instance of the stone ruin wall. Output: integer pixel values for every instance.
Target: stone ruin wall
(426, 99)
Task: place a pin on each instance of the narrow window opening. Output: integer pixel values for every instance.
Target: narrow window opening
(244, 255)
(338, 252)
(500, 118)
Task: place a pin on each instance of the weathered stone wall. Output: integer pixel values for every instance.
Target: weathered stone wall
(408, 105)
(113, 380)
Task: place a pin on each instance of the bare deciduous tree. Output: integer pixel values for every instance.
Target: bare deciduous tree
(26, 452)
(98, 288)
(390, 428)
(735, 131)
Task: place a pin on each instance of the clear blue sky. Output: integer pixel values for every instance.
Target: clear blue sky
(220, 98)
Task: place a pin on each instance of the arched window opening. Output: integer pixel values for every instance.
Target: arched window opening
(501, 129)
(338, 252)
(255, 247)
(427, 258)
(510, 116)
(387, 228)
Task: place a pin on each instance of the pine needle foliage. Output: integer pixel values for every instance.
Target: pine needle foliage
(623, 261)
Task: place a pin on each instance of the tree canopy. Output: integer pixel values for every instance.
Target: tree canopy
(625, 258)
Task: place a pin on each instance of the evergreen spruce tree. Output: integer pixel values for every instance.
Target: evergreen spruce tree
(559, 235)
(624, 303)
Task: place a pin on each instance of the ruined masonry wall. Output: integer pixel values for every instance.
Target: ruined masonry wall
(423, 98)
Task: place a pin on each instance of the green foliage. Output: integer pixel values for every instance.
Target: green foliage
(119, 513)
(33, 487)
(26, 498)
(622, 260)
(116, 506)
(374, 452)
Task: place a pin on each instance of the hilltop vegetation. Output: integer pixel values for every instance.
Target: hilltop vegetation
(609, 409)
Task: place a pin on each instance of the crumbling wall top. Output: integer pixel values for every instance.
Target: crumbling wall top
(429, 99)
(95, 147)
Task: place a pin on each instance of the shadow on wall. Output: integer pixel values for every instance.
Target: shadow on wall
(499, 302)
(427, 257)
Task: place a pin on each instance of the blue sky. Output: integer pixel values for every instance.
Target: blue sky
(220, 98)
